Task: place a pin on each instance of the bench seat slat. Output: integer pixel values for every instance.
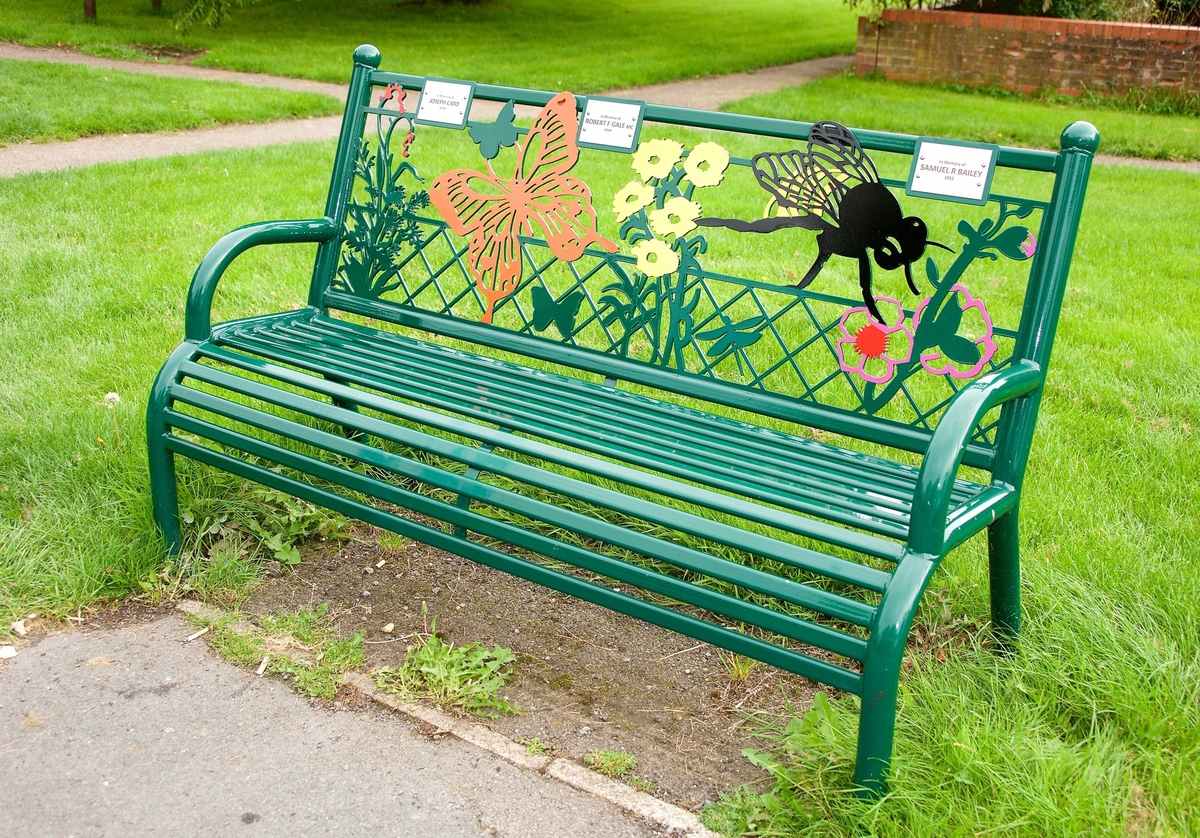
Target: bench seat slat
(851, 572)
(521, 411)
(603, 444)
(785, 624)
(770, 446)
(406, 380)
(595, 407)
(805, 596)
(773, 654)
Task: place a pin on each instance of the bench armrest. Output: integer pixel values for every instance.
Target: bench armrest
(198, 320)
(932, 500)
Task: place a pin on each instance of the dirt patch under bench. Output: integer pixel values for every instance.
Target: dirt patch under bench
(586, 677)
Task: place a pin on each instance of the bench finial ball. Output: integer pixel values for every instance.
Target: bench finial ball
(1081, 135)
(369, 55)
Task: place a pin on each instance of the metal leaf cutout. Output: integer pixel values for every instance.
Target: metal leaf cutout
(960, 350)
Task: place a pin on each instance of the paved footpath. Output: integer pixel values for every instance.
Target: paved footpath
(707, 93)
(129, 732)
(29, 157)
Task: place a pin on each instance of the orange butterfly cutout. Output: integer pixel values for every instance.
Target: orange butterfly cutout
(496, 211)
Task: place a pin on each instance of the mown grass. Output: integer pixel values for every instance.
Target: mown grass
(582, 46)
(1092, 730)
(982, 116)
(42, 101)
(95, 264)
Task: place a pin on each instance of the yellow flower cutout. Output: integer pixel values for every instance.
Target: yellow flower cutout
(656, 158)
(677, 216)
(632, 198)
(706, 164)
(655, 258)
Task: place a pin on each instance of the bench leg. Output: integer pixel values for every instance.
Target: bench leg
(1004, 571)
(881, 673)
(164, 494)
(348, 433)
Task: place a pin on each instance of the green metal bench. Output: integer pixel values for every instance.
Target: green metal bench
(556, 383)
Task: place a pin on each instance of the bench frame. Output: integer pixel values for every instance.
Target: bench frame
(1017, 388)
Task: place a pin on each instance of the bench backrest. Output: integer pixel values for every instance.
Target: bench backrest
(627, 266)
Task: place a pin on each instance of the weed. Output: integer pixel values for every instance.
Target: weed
(738, 667)
(306, 626)
(610, 763)
(641, 783)
(111, 400)
(224, 577)
(242, 648)
(322, 676)
(299, 645)
(285, 520)
(225, 538)
(391, 541)
(535, 746)
(467, 677)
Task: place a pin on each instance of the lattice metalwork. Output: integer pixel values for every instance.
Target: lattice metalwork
(656, 302)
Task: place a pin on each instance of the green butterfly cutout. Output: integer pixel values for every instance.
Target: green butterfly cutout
(561, 313)
(493, 136)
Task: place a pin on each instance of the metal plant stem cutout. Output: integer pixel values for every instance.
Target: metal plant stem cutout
(381, 229)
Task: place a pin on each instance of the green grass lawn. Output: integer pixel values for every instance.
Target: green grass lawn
(42, 101)
(980, 116)
(1093, 730)
(583, 46)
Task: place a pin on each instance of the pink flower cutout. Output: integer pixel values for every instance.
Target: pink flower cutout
(393, 93)
(871, 349)
(1029, 246)
(976, 326)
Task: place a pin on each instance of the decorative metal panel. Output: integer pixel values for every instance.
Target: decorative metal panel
(517, 246)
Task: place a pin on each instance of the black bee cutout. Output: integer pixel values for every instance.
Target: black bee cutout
(836, 189)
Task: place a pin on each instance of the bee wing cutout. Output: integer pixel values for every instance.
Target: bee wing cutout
(796, 183)
(815, 181)
(834, 148)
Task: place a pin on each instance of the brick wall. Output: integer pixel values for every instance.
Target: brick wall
(1028, 53)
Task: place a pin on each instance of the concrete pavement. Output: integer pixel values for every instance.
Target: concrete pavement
(129, 732)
